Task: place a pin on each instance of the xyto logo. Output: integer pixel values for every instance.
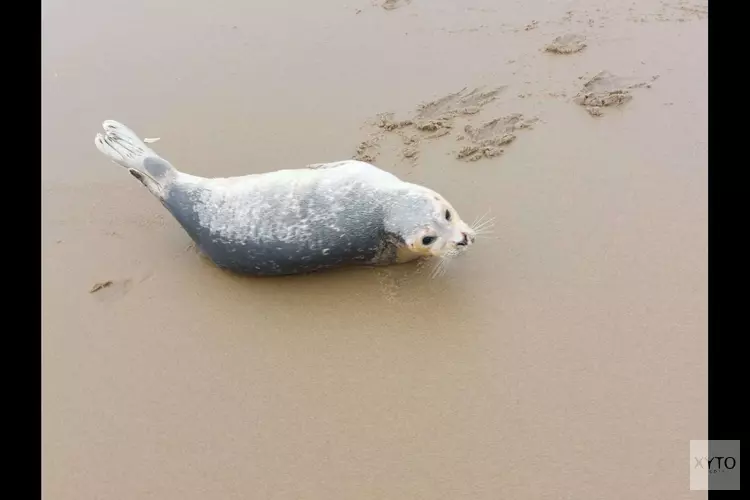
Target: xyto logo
(715, 464)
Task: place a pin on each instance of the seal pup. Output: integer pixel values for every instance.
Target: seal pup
(297, 220)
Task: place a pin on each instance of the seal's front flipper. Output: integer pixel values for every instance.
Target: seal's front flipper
(124, 147)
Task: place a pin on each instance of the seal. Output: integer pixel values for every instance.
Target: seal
(296, 221)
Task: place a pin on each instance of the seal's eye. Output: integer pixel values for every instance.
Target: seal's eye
(428, 240)
(447, 215)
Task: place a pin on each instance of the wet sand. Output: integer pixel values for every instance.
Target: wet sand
(564, 359)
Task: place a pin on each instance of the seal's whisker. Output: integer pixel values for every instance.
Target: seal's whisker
(478, 220)
(436, 270)
(441, 265)
(443, 268)
(484, 218)
(484, 222)
(483, 227)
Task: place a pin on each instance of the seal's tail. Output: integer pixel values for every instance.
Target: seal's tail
(124, 147)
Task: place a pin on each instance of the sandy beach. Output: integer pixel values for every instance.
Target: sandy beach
(565, 357)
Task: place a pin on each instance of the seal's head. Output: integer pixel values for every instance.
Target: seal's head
(429, 225)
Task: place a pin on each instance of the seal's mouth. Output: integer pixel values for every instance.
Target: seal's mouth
(466, 241)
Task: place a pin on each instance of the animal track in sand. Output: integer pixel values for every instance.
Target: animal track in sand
(608, 90)
(435, 119)
(488, 139)
(394, 4)
(567, 44)
(110, 290)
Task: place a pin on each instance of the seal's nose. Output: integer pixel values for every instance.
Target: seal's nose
(464, 241)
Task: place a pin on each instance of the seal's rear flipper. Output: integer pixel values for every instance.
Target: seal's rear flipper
(122, 146)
